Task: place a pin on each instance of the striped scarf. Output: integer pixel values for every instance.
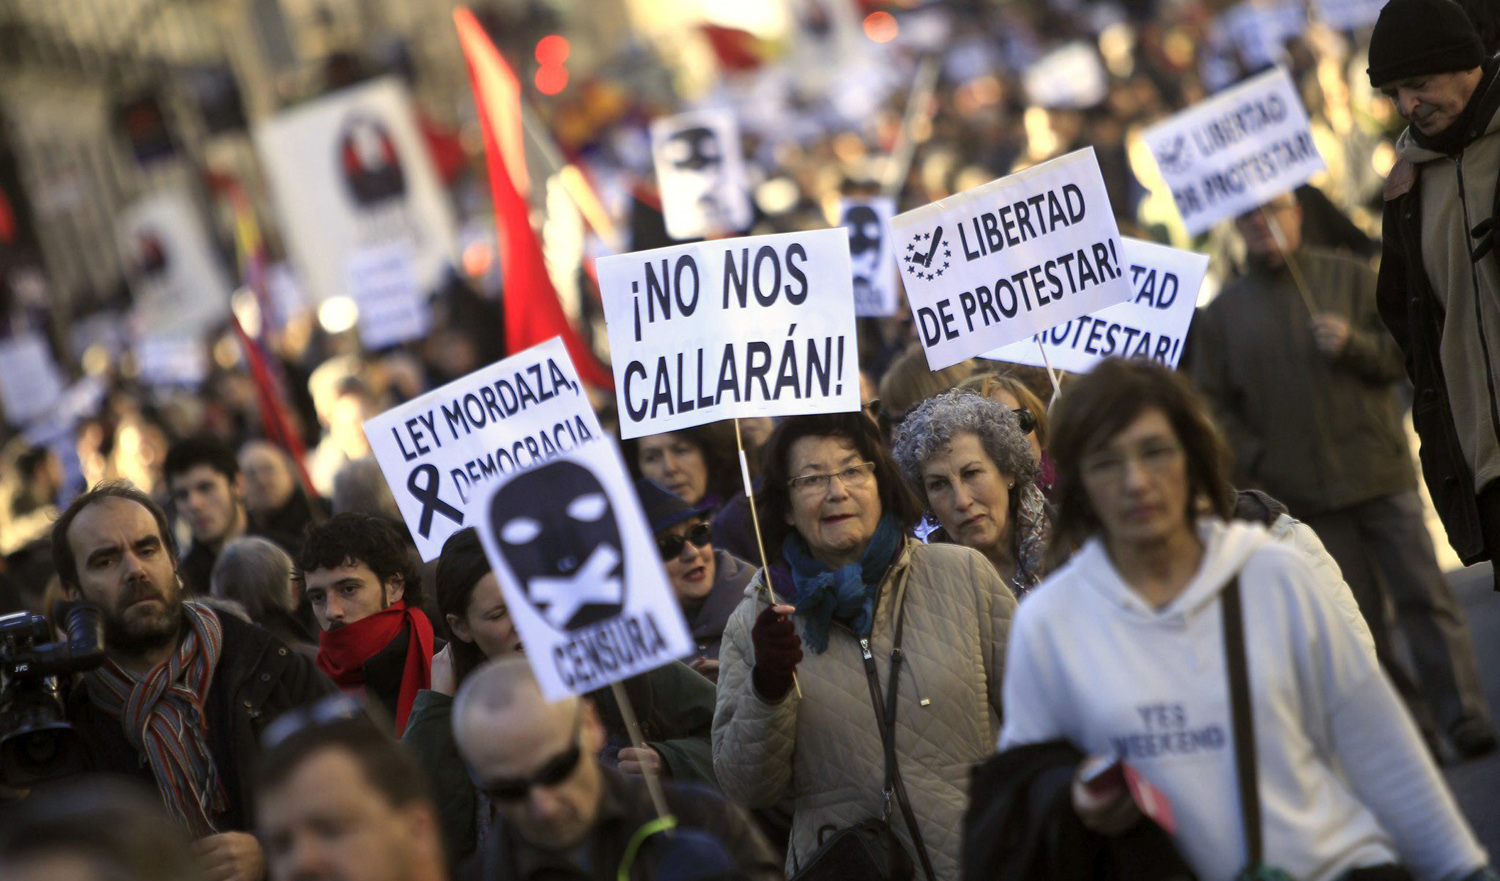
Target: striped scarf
(163, 718)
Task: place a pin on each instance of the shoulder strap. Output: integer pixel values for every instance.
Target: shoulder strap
(1244, 724)
(885, 717)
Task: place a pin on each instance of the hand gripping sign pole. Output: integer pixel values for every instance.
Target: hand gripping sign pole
(633, 726)
(760, 545)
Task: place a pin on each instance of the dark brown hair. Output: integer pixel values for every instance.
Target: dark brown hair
(715, 441)
(1103, 402)
(774, 502)
(62, 550)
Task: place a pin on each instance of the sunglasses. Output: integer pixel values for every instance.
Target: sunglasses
(1024, 420)
(671, 545)
(334, 709)
(556, 770)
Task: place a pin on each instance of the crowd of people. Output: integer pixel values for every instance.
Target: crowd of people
(984, 627)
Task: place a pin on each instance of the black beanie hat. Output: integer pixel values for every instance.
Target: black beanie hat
(1417, 37)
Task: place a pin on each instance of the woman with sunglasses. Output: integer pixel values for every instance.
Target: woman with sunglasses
(969, 461)
(796, 718)
(709, 583)
(675, 705)
(1007, 390)
(1126, 652)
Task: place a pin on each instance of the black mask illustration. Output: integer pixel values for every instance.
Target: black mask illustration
(696, 149)
(372, 169)
(555, 527)
(864, 229)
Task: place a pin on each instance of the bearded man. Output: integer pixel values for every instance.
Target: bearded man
(184, 693)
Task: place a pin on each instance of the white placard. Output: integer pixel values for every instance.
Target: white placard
(392, 309)
(1153, 324)
(868, 223)
(700, 169)
(581, 573)
(1009, 259)
(1070, 76)
(171, 360)
(350, 171)
(1349, 15)
(1236, 151)
(1260, 29)
(438, 451)
(31, 384)
(176, 279)
(754, 326)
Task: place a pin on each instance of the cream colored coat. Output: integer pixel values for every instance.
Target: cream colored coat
(824, 749)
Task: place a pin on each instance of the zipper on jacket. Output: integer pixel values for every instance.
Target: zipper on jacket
(1484, 344)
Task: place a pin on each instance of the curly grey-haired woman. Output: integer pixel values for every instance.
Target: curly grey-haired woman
(969, 461)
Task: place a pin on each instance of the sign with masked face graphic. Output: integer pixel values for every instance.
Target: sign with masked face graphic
(580, 572)
(866, 220)
(701, 172)
(351, 175)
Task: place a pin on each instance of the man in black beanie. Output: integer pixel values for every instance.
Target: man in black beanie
(1439, 288)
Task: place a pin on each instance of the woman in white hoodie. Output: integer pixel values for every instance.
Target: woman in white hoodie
(1121, 652)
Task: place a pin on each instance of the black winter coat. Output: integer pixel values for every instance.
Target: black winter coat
(258, 679)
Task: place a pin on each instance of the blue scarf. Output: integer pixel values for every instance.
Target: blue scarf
(846, 594)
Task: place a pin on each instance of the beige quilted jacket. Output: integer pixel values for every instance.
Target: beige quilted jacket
(823, 750)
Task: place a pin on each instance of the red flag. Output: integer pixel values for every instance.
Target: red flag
(532, 312)
(737, 50)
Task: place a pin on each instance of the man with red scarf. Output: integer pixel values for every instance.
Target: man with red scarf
(184, 693)
(365, 592)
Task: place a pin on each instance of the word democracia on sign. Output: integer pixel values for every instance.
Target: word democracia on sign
(522, 453)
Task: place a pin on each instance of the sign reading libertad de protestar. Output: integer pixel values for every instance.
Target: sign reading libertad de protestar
(754, 326)
(437, 450)
(1001, 262)
(1236, 151)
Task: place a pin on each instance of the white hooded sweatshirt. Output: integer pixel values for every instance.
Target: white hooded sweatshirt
(1091, 662)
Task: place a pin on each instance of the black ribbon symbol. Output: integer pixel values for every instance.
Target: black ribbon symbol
(426, 492)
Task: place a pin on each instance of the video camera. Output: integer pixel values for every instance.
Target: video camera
(36, 741)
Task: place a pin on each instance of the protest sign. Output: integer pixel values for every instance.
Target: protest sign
(438, 450)
(351, 171)
(580, 572)
(1349, 15)
(1153, 324)
(177, 282)
(700, 169)
(171, 360)
(30, 382)
(1235, 151)
(867, 221)
(392, 309)
(1259, 29)
(1070, 76)
(1009, 259)
(754, 326)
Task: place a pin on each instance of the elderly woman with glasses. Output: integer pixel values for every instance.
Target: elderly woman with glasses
(1129, 652)
(860, 608)
(970, 462)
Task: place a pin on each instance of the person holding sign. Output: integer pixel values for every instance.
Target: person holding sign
(971, 464)
(1130, 650)
(1440, 269)
(559, 813)
(850, 588)
(675, 704)
(1281, 379)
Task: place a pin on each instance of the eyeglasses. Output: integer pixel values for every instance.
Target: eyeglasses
(1024, 420)
(853, 476)
(671, 545)
(331, 710)
(1155, 457)
(556, 770)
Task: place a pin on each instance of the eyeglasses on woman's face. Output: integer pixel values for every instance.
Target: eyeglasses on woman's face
(854, 476)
